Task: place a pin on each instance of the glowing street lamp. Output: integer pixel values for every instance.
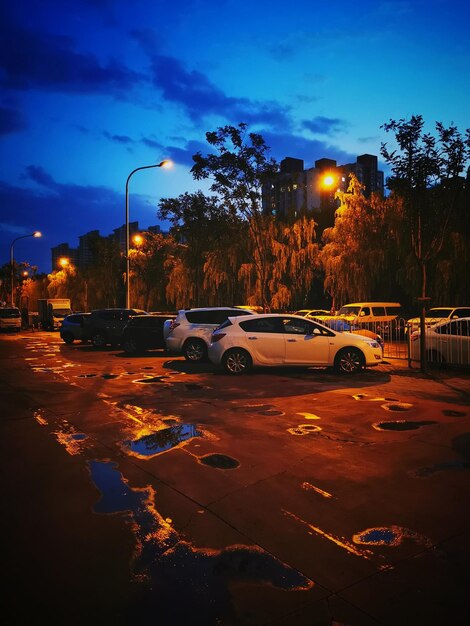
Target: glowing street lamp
(12, 263)
(64, 262)
(138, 240)
(166, 164)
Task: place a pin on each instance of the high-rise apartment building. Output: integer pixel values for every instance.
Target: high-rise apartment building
(296, 190)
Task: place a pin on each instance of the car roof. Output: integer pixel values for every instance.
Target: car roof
(372, 303)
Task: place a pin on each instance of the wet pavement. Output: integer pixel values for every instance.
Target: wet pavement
(150, 490)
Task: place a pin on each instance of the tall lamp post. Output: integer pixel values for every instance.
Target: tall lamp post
(12, 263)
(165, 163)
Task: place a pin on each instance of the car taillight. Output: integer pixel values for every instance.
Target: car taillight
(217, 337)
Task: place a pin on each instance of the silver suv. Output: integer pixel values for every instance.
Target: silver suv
(190, 333)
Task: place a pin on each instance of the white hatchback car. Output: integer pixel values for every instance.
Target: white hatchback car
(277, 339)
(446, 343)
(190, 333)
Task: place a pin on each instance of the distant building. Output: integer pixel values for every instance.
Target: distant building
(295, 190)
(83, 255)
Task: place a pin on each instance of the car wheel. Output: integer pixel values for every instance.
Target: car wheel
(349, 361)
(68, 338)
(130, 346)
(434, 359)
(98, 340)
(194, 350)
(237, 361)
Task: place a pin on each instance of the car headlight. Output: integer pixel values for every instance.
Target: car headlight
(374, 344)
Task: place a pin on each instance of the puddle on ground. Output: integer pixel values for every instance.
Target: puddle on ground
(175, 569)
(304, 429)
(161, 440)
(269, 412)
(109, 376)
(402, 425)
(424, 472)
(451, 413)
(365, 396)
(397, 406)
(150, 379)
(219, 461)
(388, 536)
(86, 376)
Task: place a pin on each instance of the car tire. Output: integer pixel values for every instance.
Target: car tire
(195, 350)
(67, 338)
(98, 340)
(237, 361)
(349, 361)
(130, 346)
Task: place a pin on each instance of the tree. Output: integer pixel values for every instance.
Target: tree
(199, 225)
(238, 170)
(426, 175)
(359, 255)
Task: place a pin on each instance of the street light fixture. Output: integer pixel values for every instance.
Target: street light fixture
(166, 163)
(64, 262)
(12, 263)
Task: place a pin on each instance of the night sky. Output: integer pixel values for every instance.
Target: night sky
(92, 89)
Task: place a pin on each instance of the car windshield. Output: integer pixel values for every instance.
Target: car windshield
(438, 313)
(349, 310)
(10, 313)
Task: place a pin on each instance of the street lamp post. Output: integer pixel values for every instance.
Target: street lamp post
(12, 263)
(165, 163)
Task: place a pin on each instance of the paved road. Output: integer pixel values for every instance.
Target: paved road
(149, 490)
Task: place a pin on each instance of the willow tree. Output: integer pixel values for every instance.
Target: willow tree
(149, 271)
(360, 251)
(198, 223)
(238, 170)
(426, 175)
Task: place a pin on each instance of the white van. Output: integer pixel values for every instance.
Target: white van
(10, 318)
(379, 317)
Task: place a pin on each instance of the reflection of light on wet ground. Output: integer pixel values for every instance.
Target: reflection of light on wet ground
(397, 406)
(340, 542)
(388, 536)
(365, 396)
(162, 440)
(185, 584)
(39, 417)
(309, 487)
(309, 416)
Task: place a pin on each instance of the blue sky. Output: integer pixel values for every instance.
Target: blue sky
(91, 89)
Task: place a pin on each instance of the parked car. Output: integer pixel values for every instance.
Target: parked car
(438, 314)
(311, 312)
(275, 339)
(190, 332)
(145, 332)
(72, 328)
(10, 318)
(447, 342)
(383, 318)
(105, 326)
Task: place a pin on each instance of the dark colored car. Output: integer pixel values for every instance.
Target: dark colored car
(145, 332)
(105, 326)
(72, 328)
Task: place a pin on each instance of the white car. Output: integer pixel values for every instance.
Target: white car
(276, 339)
(190, 333)
(439, 314)
(446, 342)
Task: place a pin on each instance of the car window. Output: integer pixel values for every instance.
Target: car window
(8, 313)
(365, 311)
(460, 329)
(294, 326)
(461, 313)
(378, 310)
(263, 325)
(394, 310)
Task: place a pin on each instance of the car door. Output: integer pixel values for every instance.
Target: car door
(307, 343)
(265, 340)
(454, 342)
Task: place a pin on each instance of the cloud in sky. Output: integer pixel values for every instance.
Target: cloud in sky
(11, 120)
(31, 59)
(324, 125)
